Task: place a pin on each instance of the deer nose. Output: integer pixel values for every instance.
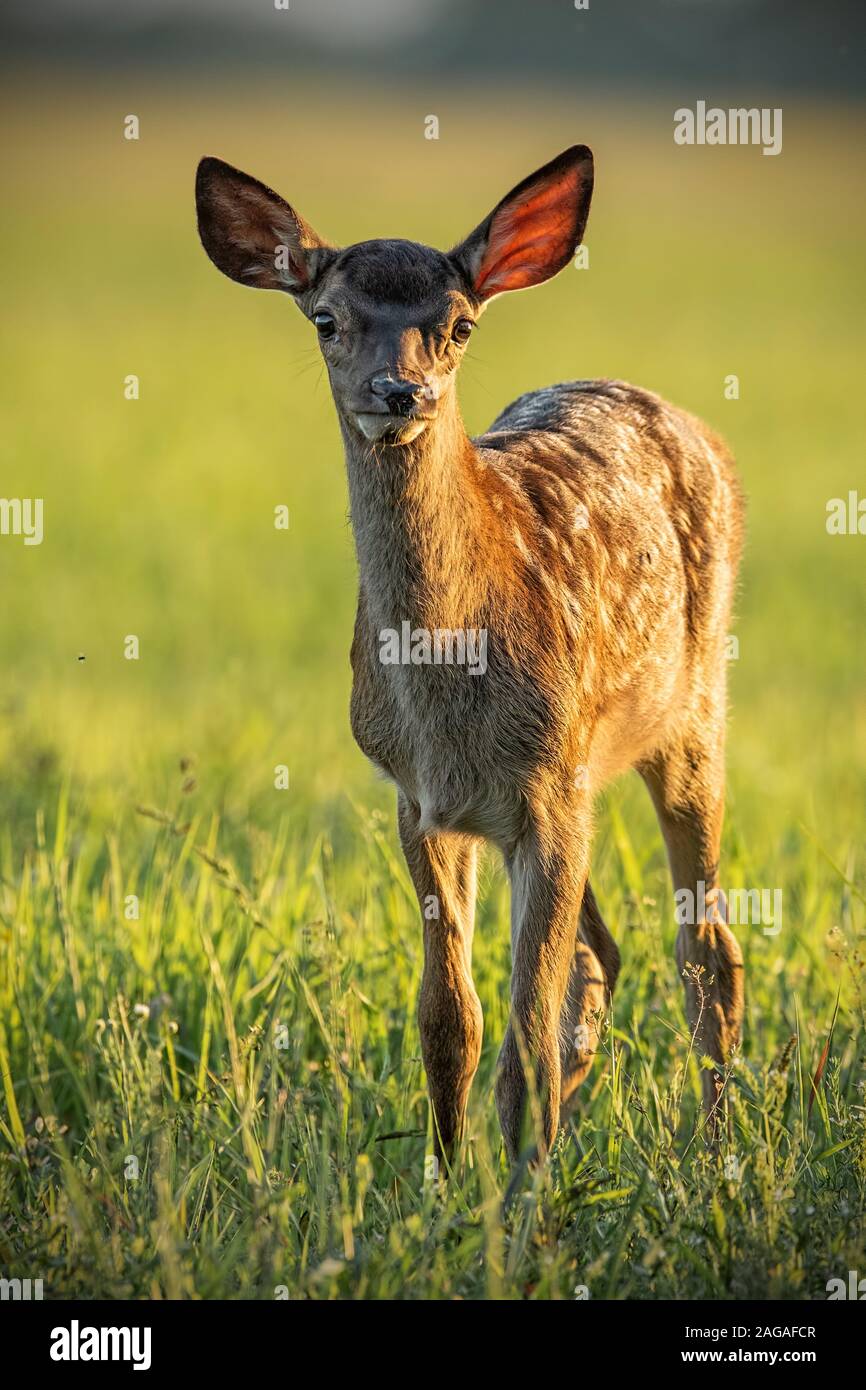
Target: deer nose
(398, 394)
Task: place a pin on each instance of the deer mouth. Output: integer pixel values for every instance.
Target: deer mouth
(392, 429)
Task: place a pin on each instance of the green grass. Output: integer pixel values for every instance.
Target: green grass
(225, 1096)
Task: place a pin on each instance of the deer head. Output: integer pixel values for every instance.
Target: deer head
(393, 317)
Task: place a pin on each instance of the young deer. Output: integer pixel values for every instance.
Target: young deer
(593, 535)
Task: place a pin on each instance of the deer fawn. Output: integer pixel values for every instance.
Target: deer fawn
(592, 536)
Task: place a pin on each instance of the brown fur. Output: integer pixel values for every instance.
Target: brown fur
(594, 533)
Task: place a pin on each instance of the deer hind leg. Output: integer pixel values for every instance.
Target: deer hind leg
(549, 964)
(591, 982)
(686, 782)
(443, 869)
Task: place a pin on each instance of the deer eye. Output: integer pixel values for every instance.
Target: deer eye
(462, 330)
(325, 325)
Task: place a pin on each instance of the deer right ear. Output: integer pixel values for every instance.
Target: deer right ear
(533, 232)
(252, 235)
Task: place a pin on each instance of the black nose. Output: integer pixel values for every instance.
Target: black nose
(398, 395)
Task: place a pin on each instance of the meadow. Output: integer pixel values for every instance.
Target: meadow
(222, 1096)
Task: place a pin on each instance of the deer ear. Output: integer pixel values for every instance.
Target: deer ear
(534, 231)
(252, 235)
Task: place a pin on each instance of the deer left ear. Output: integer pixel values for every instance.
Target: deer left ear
(252, 234)
(533, 232)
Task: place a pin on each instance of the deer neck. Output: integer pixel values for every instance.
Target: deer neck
(418, 516)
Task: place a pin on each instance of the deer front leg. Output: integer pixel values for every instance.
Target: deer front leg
(593, 976)
(555, 978)
(449, 1010)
